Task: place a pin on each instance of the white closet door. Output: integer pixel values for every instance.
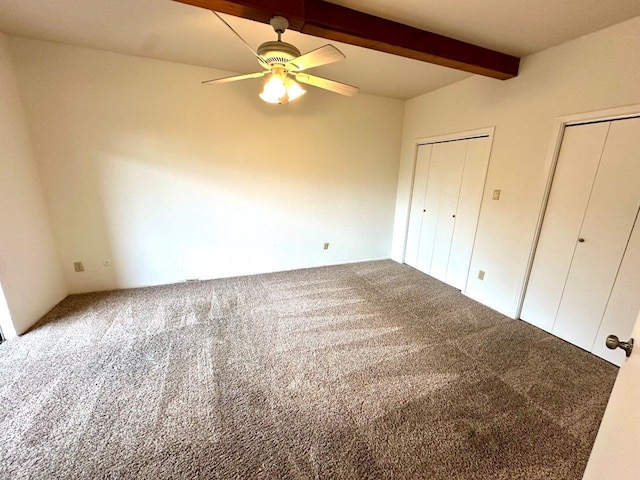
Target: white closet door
(606, 230)
(466, 221)
(624, 303)
(417, 204)
(429, 220)
(582, 147)
(447, 163)
(433, 198)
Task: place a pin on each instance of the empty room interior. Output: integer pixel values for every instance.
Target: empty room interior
(307, 239)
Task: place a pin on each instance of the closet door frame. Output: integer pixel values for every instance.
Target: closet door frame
(551, 162)
(449, 137)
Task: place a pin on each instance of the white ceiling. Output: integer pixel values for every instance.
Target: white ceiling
(168, 30)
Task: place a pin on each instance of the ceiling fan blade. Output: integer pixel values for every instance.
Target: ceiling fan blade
(260, 59)
(336, 87)
(315, 58)
(235, 78)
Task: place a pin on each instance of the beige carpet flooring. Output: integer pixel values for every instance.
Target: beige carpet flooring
(362, 371)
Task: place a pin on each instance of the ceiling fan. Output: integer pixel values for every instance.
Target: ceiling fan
(283, 65)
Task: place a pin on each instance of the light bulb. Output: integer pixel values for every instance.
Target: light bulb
(294, 90)
(274, 90)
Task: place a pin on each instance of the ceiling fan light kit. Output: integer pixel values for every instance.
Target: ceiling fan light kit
(280, 89)
(282, 62)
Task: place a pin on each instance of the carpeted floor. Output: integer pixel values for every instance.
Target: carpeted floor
(361, 371)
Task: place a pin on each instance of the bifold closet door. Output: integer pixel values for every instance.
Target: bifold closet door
(443, 185)
(624, 302)
(417, 204)
(604, 236)
(467, 211)
(445, 178)
(576, 168)
(584, 281)
(445, 202)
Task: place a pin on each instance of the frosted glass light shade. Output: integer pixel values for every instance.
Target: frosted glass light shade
(294, 90)
(280, 89)
(274, 90)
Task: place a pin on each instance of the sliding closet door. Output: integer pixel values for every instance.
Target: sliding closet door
(577, 165)
(447, 164)
(417, 204)
(604, 235)
(468, 209)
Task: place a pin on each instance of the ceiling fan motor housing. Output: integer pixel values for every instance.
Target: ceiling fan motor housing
(278, 52)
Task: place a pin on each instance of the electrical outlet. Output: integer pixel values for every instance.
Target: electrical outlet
(78, 266)
(496, 194)
(480, 274)
(326, 246)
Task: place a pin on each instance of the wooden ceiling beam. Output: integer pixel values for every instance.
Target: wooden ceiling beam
(257, 10)
(341, 24)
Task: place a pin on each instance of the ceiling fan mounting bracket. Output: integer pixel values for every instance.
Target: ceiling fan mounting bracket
(279, 24)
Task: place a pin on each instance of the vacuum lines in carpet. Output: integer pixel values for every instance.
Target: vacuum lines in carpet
(361, 371)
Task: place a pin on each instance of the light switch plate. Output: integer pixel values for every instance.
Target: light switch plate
(496, 194)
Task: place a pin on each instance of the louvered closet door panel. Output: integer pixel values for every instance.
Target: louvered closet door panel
(417, 204)
(572, 182)
(606, 230)
(447, 160)
(466, 221)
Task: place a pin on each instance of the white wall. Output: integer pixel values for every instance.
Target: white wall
(594, 72)
(171, 180)
(30, 272)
